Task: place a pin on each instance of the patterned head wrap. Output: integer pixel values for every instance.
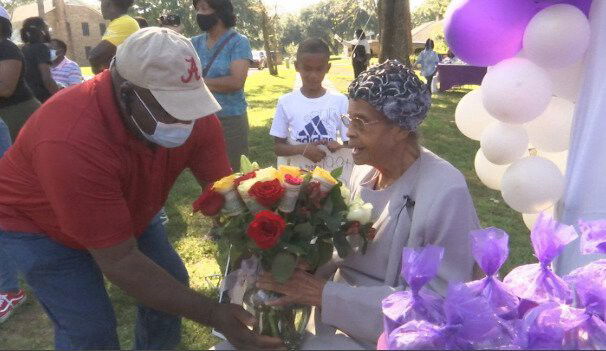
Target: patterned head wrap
(394, 90)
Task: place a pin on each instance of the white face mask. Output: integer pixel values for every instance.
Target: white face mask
(53, 55)
(167, 135)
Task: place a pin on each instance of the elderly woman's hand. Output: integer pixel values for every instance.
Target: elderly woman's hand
(302, 288)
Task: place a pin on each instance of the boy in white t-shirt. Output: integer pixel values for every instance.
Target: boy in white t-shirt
(310, 116)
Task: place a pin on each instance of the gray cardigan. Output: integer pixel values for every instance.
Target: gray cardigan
(443, 214)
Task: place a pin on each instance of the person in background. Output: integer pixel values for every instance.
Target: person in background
(81, 188)
(142, 22)
(120, 28)
(11, 296)
(12, 87)
(172, 22)
(428, 60)
(36, 38)
(64, 71)
(311, 115)
(361, 53)
(418, 199)
(17, 102)
(225, 55)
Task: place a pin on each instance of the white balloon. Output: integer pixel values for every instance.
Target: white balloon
(489, 173)
(567, 81)
(550, 132)
(531, 218)
(559, 158)
(503, 143)
(471, 117)
(516, 91)
(532, 185)
(558, 36)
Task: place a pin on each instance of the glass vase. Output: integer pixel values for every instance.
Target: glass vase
(288, 322)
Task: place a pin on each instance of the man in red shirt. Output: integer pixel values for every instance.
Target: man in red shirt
(81, 189)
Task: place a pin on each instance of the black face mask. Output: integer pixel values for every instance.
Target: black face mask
(206, 22)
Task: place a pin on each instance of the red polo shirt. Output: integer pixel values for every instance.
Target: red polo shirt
(79, 176)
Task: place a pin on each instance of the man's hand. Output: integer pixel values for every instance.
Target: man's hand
(333, 145)
(313, 153)
(232, 320)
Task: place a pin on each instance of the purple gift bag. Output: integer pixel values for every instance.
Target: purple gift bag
(419, 266)
(469, 320)
(490, 249)
(549, 326)
(536, 282)
(593, 237)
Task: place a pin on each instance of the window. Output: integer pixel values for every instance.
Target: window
(87, 49)
(102, 28)
(85, 29)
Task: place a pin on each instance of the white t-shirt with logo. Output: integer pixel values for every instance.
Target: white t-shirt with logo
(302, 120)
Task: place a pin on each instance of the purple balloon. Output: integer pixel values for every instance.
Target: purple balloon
(583, 5)
(485, 32)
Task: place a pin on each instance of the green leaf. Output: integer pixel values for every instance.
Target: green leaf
(328, 206)
(342, 245)
(337, 173)
(294, 249)
(283, 266)
(304, 229)
(339, 204)
(325, 251)
(333, 223)
(245, 165)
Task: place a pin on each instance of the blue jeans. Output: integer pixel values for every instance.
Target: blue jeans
(70, 287)
(8, 272)
(5, 137)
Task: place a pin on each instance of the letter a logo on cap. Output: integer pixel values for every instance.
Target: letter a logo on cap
(192, 71)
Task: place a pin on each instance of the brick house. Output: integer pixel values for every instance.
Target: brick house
(77, 22)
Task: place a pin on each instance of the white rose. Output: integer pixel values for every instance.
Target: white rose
(346, 195)
(361, 214)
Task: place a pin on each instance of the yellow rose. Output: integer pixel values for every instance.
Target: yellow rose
(292, 171)
(321, 173)
(225, 184)
(266, 174)
(245, 186)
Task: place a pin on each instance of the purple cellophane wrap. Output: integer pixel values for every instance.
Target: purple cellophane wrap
(548, 326)
(589, 283)
(490, 250)
(419, 266)
(537, 282)
(469, 319)
(593, 237)
(470, 315)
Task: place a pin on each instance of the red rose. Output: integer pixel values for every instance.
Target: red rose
(210, 202)
(267, 193)
(247, 176)
(266, 229)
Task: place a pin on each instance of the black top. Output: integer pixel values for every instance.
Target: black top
(36, 54)
(10, 51)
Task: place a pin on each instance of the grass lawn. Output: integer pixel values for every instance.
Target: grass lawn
(30, 329)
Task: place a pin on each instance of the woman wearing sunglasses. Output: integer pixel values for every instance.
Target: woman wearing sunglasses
(419, 199)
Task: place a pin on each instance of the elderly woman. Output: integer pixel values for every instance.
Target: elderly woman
(419, 199)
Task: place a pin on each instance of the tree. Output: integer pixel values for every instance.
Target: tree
(11, 5)
(430, 10)
(151, 10)
(396, 39)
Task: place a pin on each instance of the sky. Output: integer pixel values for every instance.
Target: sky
(293, 6)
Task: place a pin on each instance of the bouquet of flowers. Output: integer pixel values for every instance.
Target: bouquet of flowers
(273, 220)
(532, 308)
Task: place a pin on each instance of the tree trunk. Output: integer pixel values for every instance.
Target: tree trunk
(396, 37)
(41, 12)
(61, 31)
(271, 63)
